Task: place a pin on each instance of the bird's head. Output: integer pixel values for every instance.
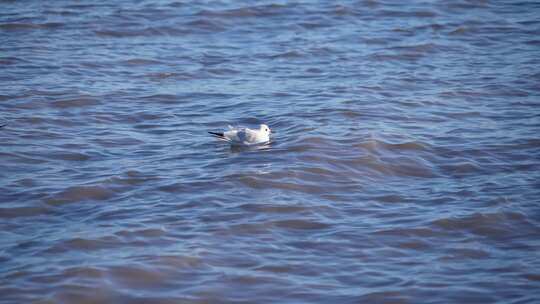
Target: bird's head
(265, 129)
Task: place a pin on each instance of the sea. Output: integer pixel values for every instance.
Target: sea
(403, 165)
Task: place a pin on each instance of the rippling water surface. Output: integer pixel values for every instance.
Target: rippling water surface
(404, 166)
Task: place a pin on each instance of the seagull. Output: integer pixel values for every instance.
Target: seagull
(245, 136)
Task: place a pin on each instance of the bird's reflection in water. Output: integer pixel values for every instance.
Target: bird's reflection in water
(253, 148)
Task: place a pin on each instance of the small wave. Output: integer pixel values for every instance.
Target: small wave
(66, 155)
(460, 254)
(407, 14)
(206, 25)
(420, 232)
(160, 76)
(406, 57)
(314, 25)
(461, 168)
(174, 262)
(221, 71)
(136, 276)
(376, 145)
(287, 55)
(259, 183)
(128, 33)
(425, 48)
(161, 97)
(492, 225)
(246, 12)
(141, 233)
(76, 194)
(141, 61)
(131, 178)
(15, 212)
(301, 224)
(11, 60)
(266, 208)
(84, 244)
(75, 103)
(29, 26)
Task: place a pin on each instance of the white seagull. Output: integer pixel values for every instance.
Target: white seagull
(245, 136)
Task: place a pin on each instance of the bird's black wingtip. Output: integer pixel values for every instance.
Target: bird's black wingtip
(217, 134)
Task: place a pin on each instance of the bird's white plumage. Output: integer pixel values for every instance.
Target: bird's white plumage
(246, 136)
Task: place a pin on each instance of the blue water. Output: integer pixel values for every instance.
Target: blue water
(403, 166)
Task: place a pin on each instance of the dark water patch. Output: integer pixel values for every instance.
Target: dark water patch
(67, 156)
(222, 71)
(408, 232)
(257, 183)
(136, 276)
(300, 224)
(287, 55)
(140, 61)
(261, 11)
(77, 194)
(461, 254)
(491, 225)
(143, 233)
(120, 141)
(314, 25)
(10, 61)
(428, 48)
(314, 70)
(208, 25)
(407, 14)
(265, 208)
(16, 212)
(533, 42)
(462, 168)
(69, 13)
(22, 159)
(162, 98)
(397, 147)
(406, 57)
(83, 245)
(172, 76)
(75, 103)
(5, 97)
(174, 262)
(463, 30)
(30, 26)
(532, 277)
(178, 187)
(128, 33)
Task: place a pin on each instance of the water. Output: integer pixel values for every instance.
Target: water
(404, 166)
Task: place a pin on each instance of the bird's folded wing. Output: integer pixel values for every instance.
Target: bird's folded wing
(249, 136)
(231, 135)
